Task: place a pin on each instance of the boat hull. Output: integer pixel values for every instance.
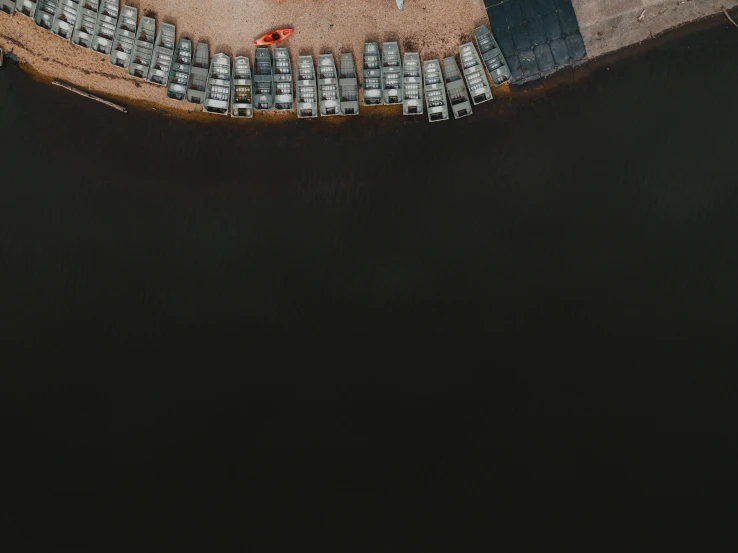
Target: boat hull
(268, 39)
(26, 7)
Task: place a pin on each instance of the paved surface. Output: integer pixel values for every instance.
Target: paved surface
(608, 25)
(538, 37)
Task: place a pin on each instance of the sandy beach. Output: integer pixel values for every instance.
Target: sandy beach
(433, 28)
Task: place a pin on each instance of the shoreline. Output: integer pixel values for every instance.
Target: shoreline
(608, 26)
(229, 27)
(503, 95)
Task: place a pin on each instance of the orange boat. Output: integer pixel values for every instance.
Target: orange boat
(273, 37)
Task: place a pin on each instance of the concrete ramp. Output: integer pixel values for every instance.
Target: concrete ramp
(537, 37)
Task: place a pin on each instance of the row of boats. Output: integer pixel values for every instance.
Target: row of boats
(222, 87)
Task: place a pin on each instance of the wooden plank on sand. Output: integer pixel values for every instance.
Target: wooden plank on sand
(90, 96)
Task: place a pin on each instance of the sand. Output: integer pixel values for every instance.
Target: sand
(435, 28)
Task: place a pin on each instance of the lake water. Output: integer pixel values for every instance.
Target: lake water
(566, 261)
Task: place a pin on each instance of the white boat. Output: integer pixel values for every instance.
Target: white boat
(457, 94)
(45, 13)
(107, 21)
(125, 35)
(218, 89)
(65, 18)
(143, 48)
(84, 27)
(371, 81)
(307, 89)
(263, 81)
(391, 73)
(199, 74)
(348, 85)
(492, 56)
(26, 7)
(179, 76)
(412, 85)
(476, 78)
(242, 93)
(435, 91)
(163, 54)
(283, 97)
(7, 6)
(330, 103)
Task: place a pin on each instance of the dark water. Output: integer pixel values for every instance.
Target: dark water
(563, 263)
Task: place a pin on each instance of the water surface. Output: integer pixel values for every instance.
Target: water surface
(567, 259)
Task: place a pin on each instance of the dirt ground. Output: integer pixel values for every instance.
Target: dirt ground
(434, 28)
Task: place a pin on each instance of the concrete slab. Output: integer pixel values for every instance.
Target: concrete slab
(560, 52)
(513, 13)
(529, 9)
(544, 7)
(505, 40)
(535, 31)
(529, 64)
(609, 25)
(497, 18)
(552, 26)
(544, 56)
(576, 47)
(520, 38)
(513, 62)
(589, 11)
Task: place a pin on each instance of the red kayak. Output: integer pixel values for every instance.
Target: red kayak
(273, 37)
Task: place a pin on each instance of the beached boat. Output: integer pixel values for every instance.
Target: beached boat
(330, 103)
(412, 85)
(457, 94)
(7, 6)
(218, 89)
(348, 85)
(143, 48)
(45, 13)
(263, 82)
(161, 63)
(179, 76)
(273, 37)
(107, 21)
(307, 89)
(65, 18)
(371, 81)
(476, 78)
(283, 97)
(435, 91)
(125, 34)
(391, 73)
(241, 95)
(199, 74)
(84, 27)
(26, 7)
(492, 56)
